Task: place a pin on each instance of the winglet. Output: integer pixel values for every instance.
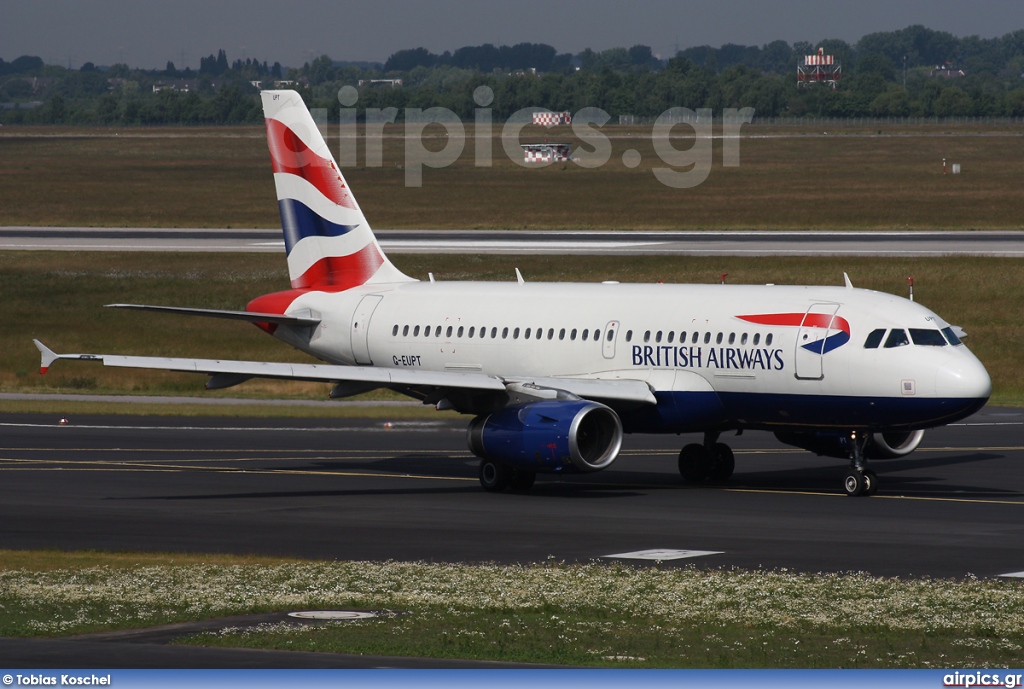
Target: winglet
(49, 356)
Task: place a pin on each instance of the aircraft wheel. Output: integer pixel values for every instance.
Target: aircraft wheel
(723, 464)
(522, 480)
(494, 476)
(695, 463)
(870, 482)
(854, 484)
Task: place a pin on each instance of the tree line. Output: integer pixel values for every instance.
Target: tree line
(914, 72)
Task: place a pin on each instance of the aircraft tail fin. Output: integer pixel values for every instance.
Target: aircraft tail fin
(329, 243)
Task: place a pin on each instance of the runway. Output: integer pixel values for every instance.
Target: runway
(811, 243)
(358, 490)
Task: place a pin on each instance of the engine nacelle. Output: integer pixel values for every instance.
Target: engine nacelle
(549, 436)
(888, 445)
(894, 444)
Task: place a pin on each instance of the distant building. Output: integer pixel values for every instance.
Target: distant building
(551, 119)
(819, 69)
(546, 152)
(177, 85)
(946, 71)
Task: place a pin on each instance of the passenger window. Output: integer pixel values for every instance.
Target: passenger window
(426, 331)
(768, 340)
(743, 339)
(707, 338)
(927, 338)
(472, 331)
(874, 339)
(757, 339)
(647, 336)
(657, 338)
(515, 334)
(682, 337)
(951, 336)
(693, 340)
(504, 333)
(718, 340)
(494, 333)
(405, 331)
(629, 336)
(526, 335)
(897, 338)
(561, 334)
(671, 336)
(448, 332)
(461, 330)
(394, 331)
(572, 335)
(437, 333)
(597, 335)
(551, 333)
(609, 335)
(416, 331)
(732, 338)
(586, 334)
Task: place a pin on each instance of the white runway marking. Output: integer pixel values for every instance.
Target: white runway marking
(662, 554)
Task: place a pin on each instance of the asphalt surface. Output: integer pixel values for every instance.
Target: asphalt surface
(377, 490)
(356, 489)
(811, 243)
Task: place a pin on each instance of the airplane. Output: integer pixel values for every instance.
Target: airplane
(555, 374)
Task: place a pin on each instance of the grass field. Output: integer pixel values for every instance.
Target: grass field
(788, 178)
(585, 615)
(58, 298)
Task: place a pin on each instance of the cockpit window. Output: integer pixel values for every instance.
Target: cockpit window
(874, 339)
(951, 336)
(897, 338)
(929, 338)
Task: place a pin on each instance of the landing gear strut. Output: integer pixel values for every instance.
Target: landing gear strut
(859, 480)
(712, 460)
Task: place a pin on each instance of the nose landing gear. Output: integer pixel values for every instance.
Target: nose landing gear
(859, 480)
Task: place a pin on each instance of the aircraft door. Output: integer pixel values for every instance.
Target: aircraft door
(361, 327)
(815, 328)
(611, 333)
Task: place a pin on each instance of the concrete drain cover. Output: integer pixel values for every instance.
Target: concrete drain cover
(332, 615)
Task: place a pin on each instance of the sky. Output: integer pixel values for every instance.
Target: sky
(147, 34)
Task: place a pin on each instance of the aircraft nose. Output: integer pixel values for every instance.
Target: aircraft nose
(963, 377)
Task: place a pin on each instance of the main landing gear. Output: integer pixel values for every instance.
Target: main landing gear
(859, 480)
(496, 477)
(711, 461)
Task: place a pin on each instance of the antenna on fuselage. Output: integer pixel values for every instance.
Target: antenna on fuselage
(849, 285)
(911, 281)
(519, 277)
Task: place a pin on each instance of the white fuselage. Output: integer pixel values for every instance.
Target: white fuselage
(683, 340)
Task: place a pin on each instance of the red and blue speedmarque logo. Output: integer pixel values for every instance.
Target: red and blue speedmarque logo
(838, 325)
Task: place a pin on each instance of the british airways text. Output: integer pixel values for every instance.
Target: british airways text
(713, 357)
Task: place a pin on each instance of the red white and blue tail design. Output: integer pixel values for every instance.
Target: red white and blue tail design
(329, 243)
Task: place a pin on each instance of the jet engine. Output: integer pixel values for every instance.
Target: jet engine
(887, 445)
(576, 436)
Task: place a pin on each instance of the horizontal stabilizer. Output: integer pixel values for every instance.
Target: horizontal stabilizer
(249, 316)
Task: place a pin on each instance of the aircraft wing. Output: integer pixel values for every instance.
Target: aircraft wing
(225, 372)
